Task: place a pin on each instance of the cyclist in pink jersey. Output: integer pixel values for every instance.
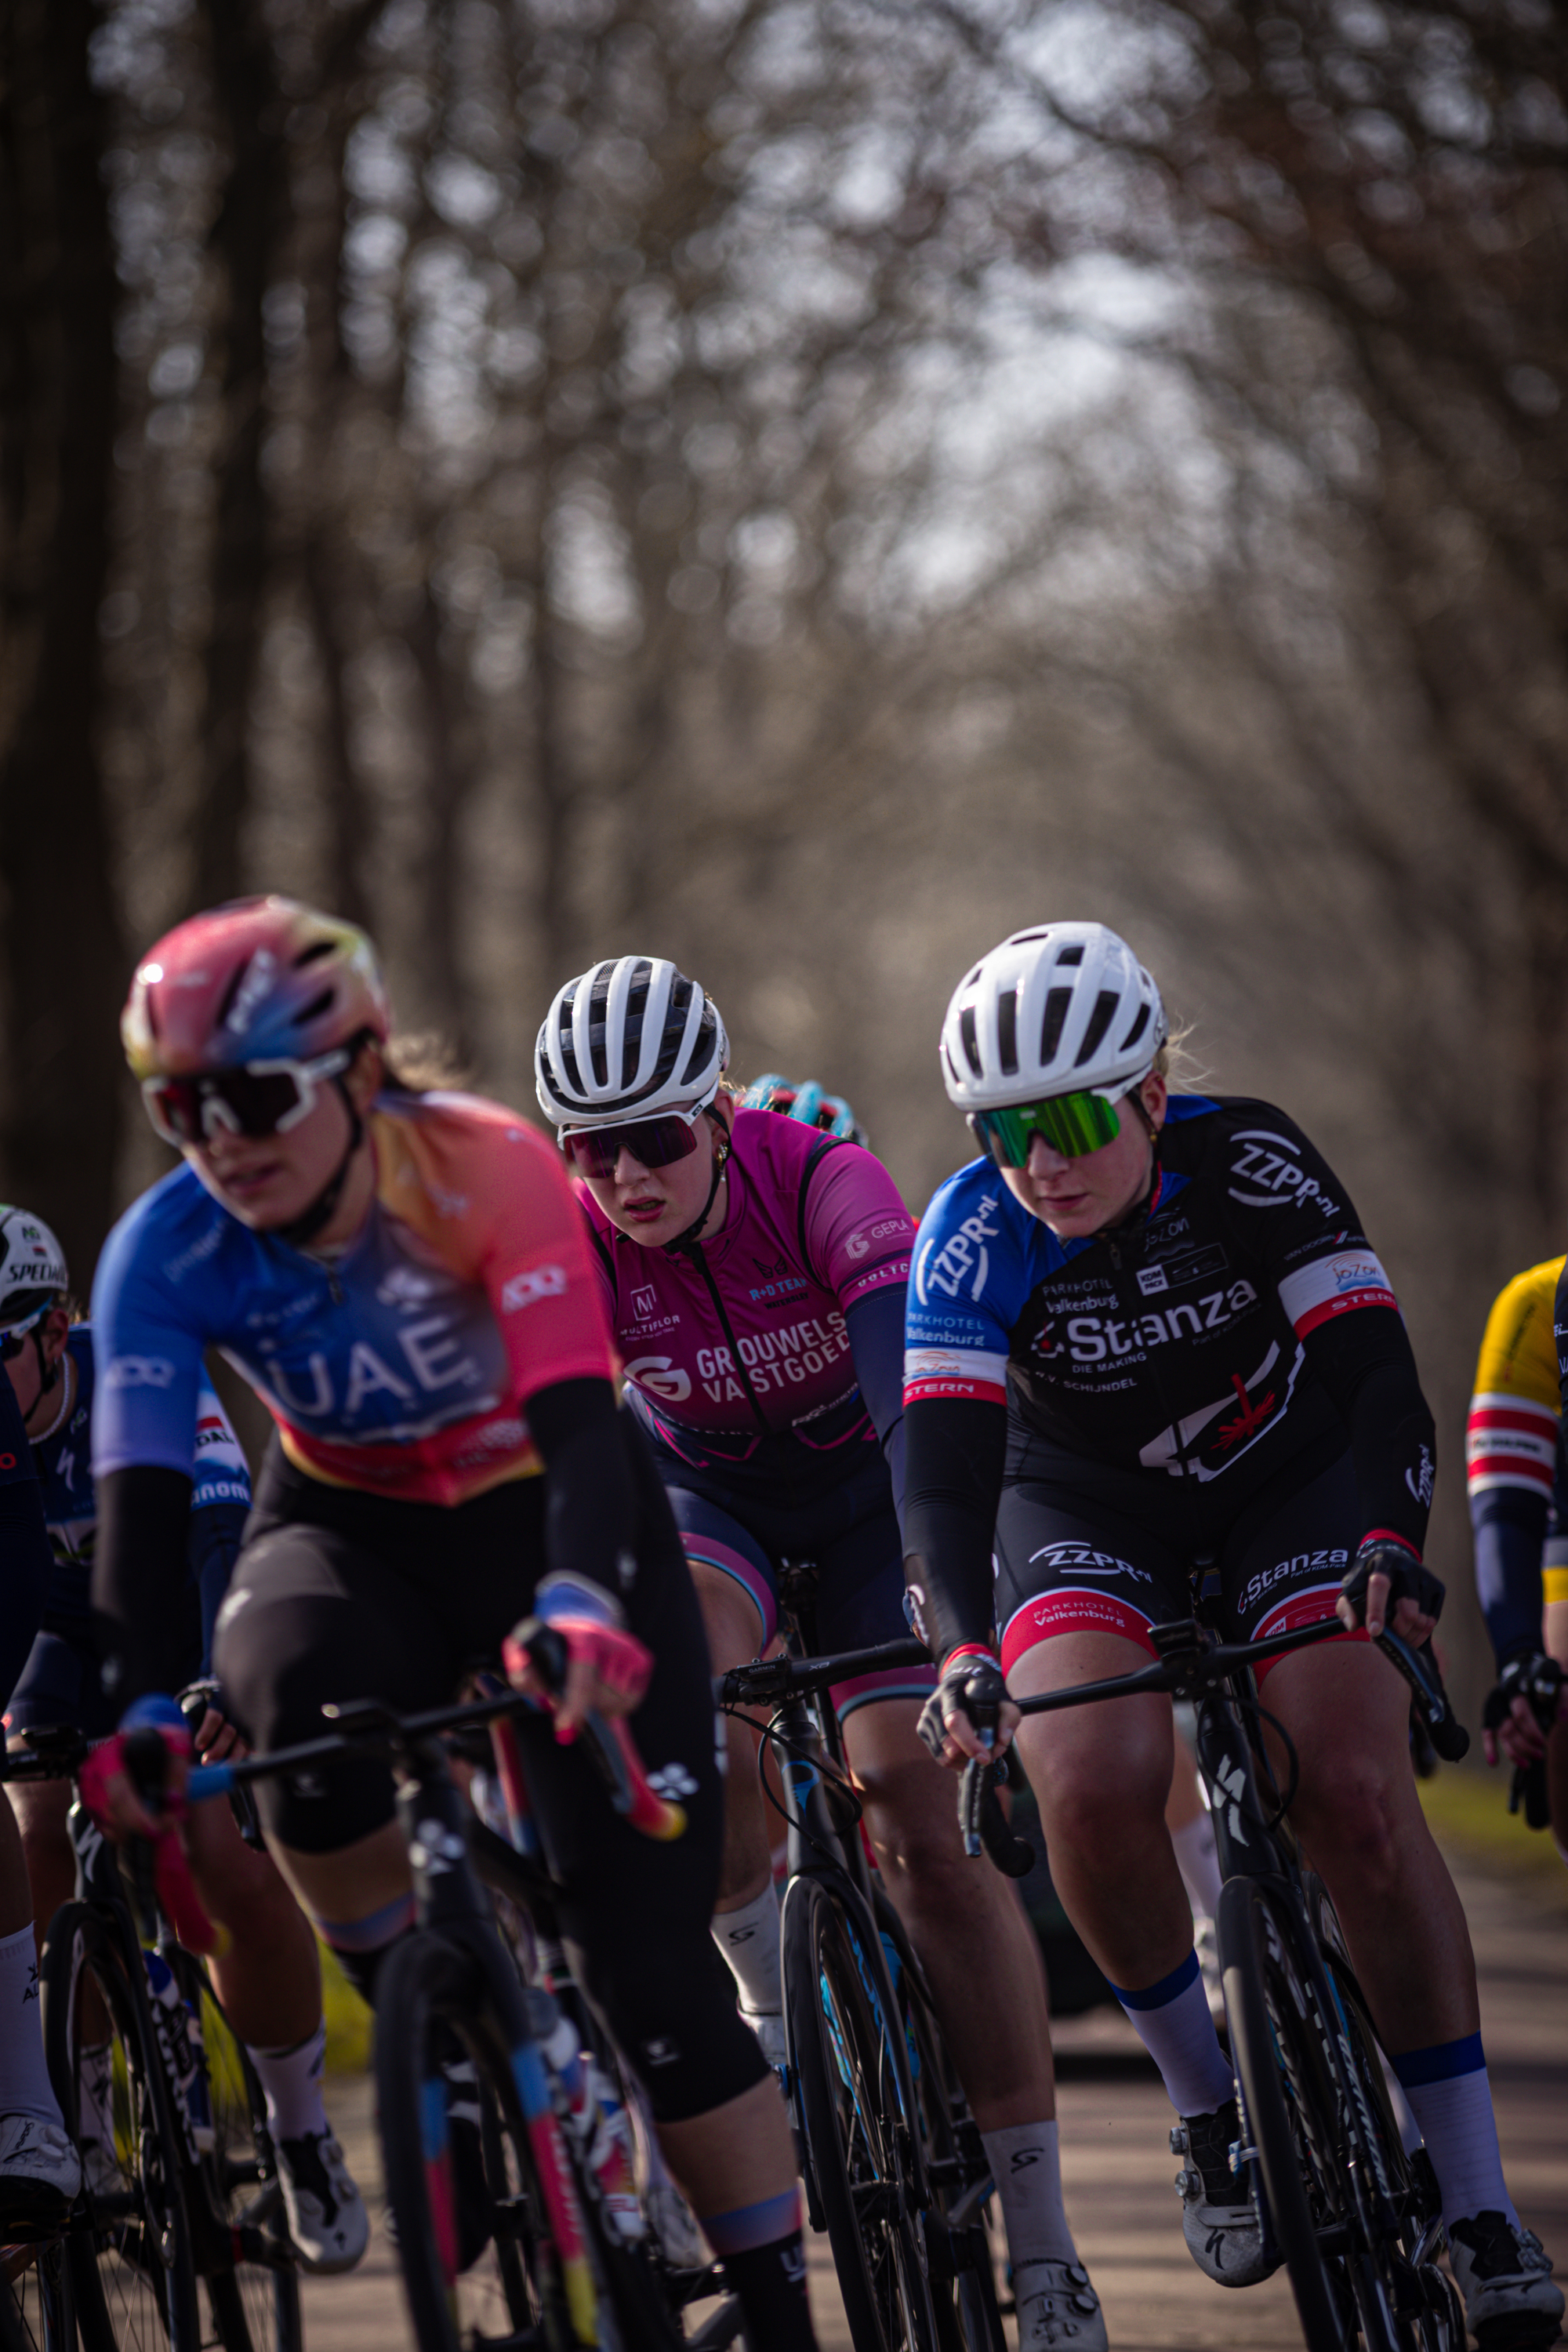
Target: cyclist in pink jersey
(754, 1270)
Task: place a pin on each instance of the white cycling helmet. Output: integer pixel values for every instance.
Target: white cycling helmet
(32, 1268)
(627, 1040)
(1064, 1009)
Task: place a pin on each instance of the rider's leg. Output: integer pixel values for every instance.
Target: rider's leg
(736, 1631)
(266, 1976)
(1360, 1818)
(1192, 1835)
(40, 1808)
(1102, 1775)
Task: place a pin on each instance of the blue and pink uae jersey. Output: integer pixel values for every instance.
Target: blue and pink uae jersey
(403, 1365)
(746, 1340)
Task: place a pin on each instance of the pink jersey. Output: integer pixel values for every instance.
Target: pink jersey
(783, 1275)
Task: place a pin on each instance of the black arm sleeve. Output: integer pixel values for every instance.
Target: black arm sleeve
(1366, 1363)
(591, 1512)
(956, 1451)
(216, 1532)
(875, 1328)
(139, 1572)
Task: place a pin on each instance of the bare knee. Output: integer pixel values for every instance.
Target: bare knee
(1352, 1821)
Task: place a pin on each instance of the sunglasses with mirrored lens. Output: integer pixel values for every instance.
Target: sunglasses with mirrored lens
(654, 1142)
(1070, 1124)
(258, 1098)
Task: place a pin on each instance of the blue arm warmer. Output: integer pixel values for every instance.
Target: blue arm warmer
(1510, 1527)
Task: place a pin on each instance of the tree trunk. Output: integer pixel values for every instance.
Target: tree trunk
(449, 782)
(64, 962)
(250, 224)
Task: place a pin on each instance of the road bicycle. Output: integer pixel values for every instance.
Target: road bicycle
(179, 2180)
(1345, 2194)
(893, 2165)
(506, 2232)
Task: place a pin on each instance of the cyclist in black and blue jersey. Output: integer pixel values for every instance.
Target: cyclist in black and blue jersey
(39, 2171)
(1145, 1327)
(268, 1976)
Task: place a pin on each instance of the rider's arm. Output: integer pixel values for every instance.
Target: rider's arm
(590, 1524)
(875, 1328)
(26, 1557)
(139, 1579)
(1509, 1525)
(1366, 1363)
(955, 1451)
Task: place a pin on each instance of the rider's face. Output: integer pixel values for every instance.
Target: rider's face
(268, 1181)
(23, 1369)
(654, 1205)
(1081, 1196)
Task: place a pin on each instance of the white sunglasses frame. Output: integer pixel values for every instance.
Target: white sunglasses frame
(305, 1076)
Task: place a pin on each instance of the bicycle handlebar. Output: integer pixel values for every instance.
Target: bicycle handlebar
(784, 1677)
(610, 1748)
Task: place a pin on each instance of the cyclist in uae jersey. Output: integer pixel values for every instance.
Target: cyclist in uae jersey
(753, 1267)
(1147, 1327)
(1519, 1516)
(405, 1279)
(267, 1975)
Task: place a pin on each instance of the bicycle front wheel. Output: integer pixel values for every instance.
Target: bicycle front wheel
(859, 2139)
(256, 2304)
(481, 2254)
(132, 2273)
(37, 2308)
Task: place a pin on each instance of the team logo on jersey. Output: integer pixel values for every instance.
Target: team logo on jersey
(1083, 1560)
(964, 1261)
(1266, 1165)
(644, 1303)
(528, 1289)
(662, 1377)
(858, 1245)
(139, 1372)
(1420, 1482)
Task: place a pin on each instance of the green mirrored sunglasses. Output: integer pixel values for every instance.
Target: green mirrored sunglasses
(1070, 1124)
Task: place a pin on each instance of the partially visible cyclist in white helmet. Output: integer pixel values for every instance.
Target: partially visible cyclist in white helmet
(1145, 1327)
(755, 1267)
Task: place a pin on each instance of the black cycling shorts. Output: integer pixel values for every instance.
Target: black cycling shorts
(60, 1684)
(1074, 1559)
(342, 1595)
(848, 1531)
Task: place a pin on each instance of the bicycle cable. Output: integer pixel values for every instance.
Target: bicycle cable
(1253, 1708)
(830, 1774)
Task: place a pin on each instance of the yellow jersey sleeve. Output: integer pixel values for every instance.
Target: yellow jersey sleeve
(1511, 1439)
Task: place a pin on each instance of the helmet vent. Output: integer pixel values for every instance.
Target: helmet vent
(966, 1033)
(1099, 1021)
(1007, 1030)
(1071, 955)
(1139, 1026)
(1057, 1003)
(314, 1010)
(317, 949)
(231, 991)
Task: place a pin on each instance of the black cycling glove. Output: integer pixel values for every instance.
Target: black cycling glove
(1407, 1573)
(971, 1685)
(1533, 1677)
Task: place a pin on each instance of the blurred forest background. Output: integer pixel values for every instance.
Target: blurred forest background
(806, 486)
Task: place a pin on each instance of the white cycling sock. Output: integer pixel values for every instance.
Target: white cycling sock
(749, 1939)
(1026, 2166)
(1450, 2095)
(23, 2077)
(1197, 1859)
(293, 2082)
(1175, 2028)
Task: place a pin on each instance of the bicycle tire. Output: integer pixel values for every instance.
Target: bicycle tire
(254, 2304)
(853, 2110)
(432, 1992)
(37, 2307)
(133, 2273)
(1291, 2105)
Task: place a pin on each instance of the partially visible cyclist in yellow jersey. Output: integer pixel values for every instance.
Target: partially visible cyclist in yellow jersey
(1519, 1512)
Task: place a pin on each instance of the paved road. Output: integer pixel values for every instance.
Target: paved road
(1119, 2170)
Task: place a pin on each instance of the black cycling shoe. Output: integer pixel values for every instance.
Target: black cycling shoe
(1219, 2217)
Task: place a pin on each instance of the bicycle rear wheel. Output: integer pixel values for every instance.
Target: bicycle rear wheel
(859, 2139)
(450, 2172)
(132, 2273)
